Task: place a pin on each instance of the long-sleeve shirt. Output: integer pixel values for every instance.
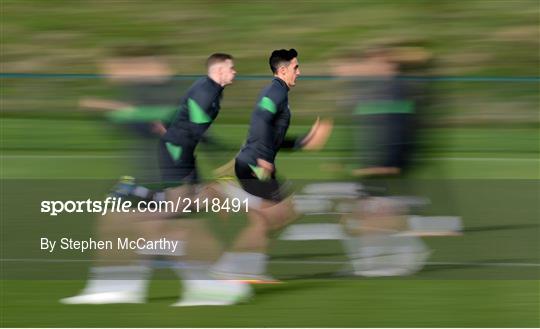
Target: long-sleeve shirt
(269, 123)
(198, 109)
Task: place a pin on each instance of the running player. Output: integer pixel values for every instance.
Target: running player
(384, 110)
(270, 208)
(127, 283)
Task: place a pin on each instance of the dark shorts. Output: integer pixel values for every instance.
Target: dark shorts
(177, 164)
(269, 189)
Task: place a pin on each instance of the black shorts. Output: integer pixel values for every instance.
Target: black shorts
(180, 171)
(269, 189)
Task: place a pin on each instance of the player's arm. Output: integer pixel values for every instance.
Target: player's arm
(121, 112)
(199, 106)
(142, 114)
(315, 139)
(97, 104)
(262, 127)
(262, 131)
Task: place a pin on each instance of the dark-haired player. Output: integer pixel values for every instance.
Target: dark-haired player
(255, 169)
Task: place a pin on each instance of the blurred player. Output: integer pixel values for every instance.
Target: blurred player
(270, 208)
(385, 112)
(126, 282)
(198, 108)
(148, 98)
(148, 94)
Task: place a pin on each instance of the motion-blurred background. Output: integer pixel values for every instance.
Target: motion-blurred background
(479, 135)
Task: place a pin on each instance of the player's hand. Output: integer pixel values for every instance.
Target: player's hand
(264, 170)
(318, 135)
(158, 128)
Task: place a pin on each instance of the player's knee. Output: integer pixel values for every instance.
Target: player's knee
(258, 220)
(279, 214)
(211, 191)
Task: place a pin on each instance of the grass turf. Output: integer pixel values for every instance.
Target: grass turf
(343, 303)
(494, 191)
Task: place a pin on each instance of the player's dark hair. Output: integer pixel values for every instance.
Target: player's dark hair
(281, 57)
(217, 58)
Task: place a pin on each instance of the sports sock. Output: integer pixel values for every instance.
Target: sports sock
(142, 192)
(251, 263)
(148, 194)
(117, 278)
(195, 277)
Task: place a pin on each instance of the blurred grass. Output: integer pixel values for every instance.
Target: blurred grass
(467, 38)
(500, 227)
(322, 303)
(44, 135)
(41, 148)
(55, 36)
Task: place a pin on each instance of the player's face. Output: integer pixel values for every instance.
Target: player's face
(291, 72)
(228, 72)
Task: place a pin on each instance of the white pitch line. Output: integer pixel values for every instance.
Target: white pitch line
(305, 262)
